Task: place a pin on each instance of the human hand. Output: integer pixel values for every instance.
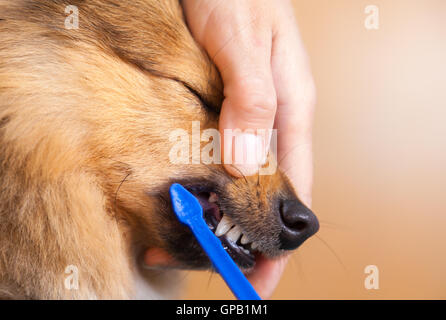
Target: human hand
(256, 46)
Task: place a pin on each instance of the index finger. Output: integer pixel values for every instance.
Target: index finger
(296, 97)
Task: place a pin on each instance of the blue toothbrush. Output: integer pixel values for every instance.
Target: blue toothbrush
(189, 212)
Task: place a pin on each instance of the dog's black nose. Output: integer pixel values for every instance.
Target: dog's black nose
(298, 224)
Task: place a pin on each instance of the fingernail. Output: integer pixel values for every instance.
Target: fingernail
(250, 153)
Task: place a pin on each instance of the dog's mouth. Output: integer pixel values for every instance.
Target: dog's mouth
(232, 236)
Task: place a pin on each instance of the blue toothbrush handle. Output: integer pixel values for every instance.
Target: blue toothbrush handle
(224, 264)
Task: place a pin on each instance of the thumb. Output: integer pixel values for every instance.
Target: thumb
(237, 35)
(249, 107)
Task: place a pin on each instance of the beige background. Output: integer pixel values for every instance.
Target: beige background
(380, 154)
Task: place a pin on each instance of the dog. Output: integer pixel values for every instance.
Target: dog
(85, 115)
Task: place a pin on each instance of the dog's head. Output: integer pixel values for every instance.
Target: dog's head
(110, 96)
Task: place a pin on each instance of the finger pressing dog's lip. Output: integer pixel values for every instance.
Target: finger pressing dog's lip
(232, 236)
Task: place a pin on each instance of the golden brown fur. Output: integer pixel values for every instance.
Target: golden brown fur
(84, 122)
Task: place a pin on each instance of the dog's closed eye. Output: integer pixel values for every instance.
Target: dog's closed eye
(204, 103)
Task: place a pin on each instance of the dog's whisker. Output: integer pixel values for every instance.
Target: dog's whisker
(119, 187)
(289, 151)
(332, 225)
(333, 252)
(295, 262)
(258, 176)
(241, 173)
(211, 274)
(185, 275)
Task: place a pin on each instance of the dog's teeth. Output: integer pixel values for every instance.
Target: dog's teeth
(234, 234)
(224, 226)
(213, 197)
(245, 239)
